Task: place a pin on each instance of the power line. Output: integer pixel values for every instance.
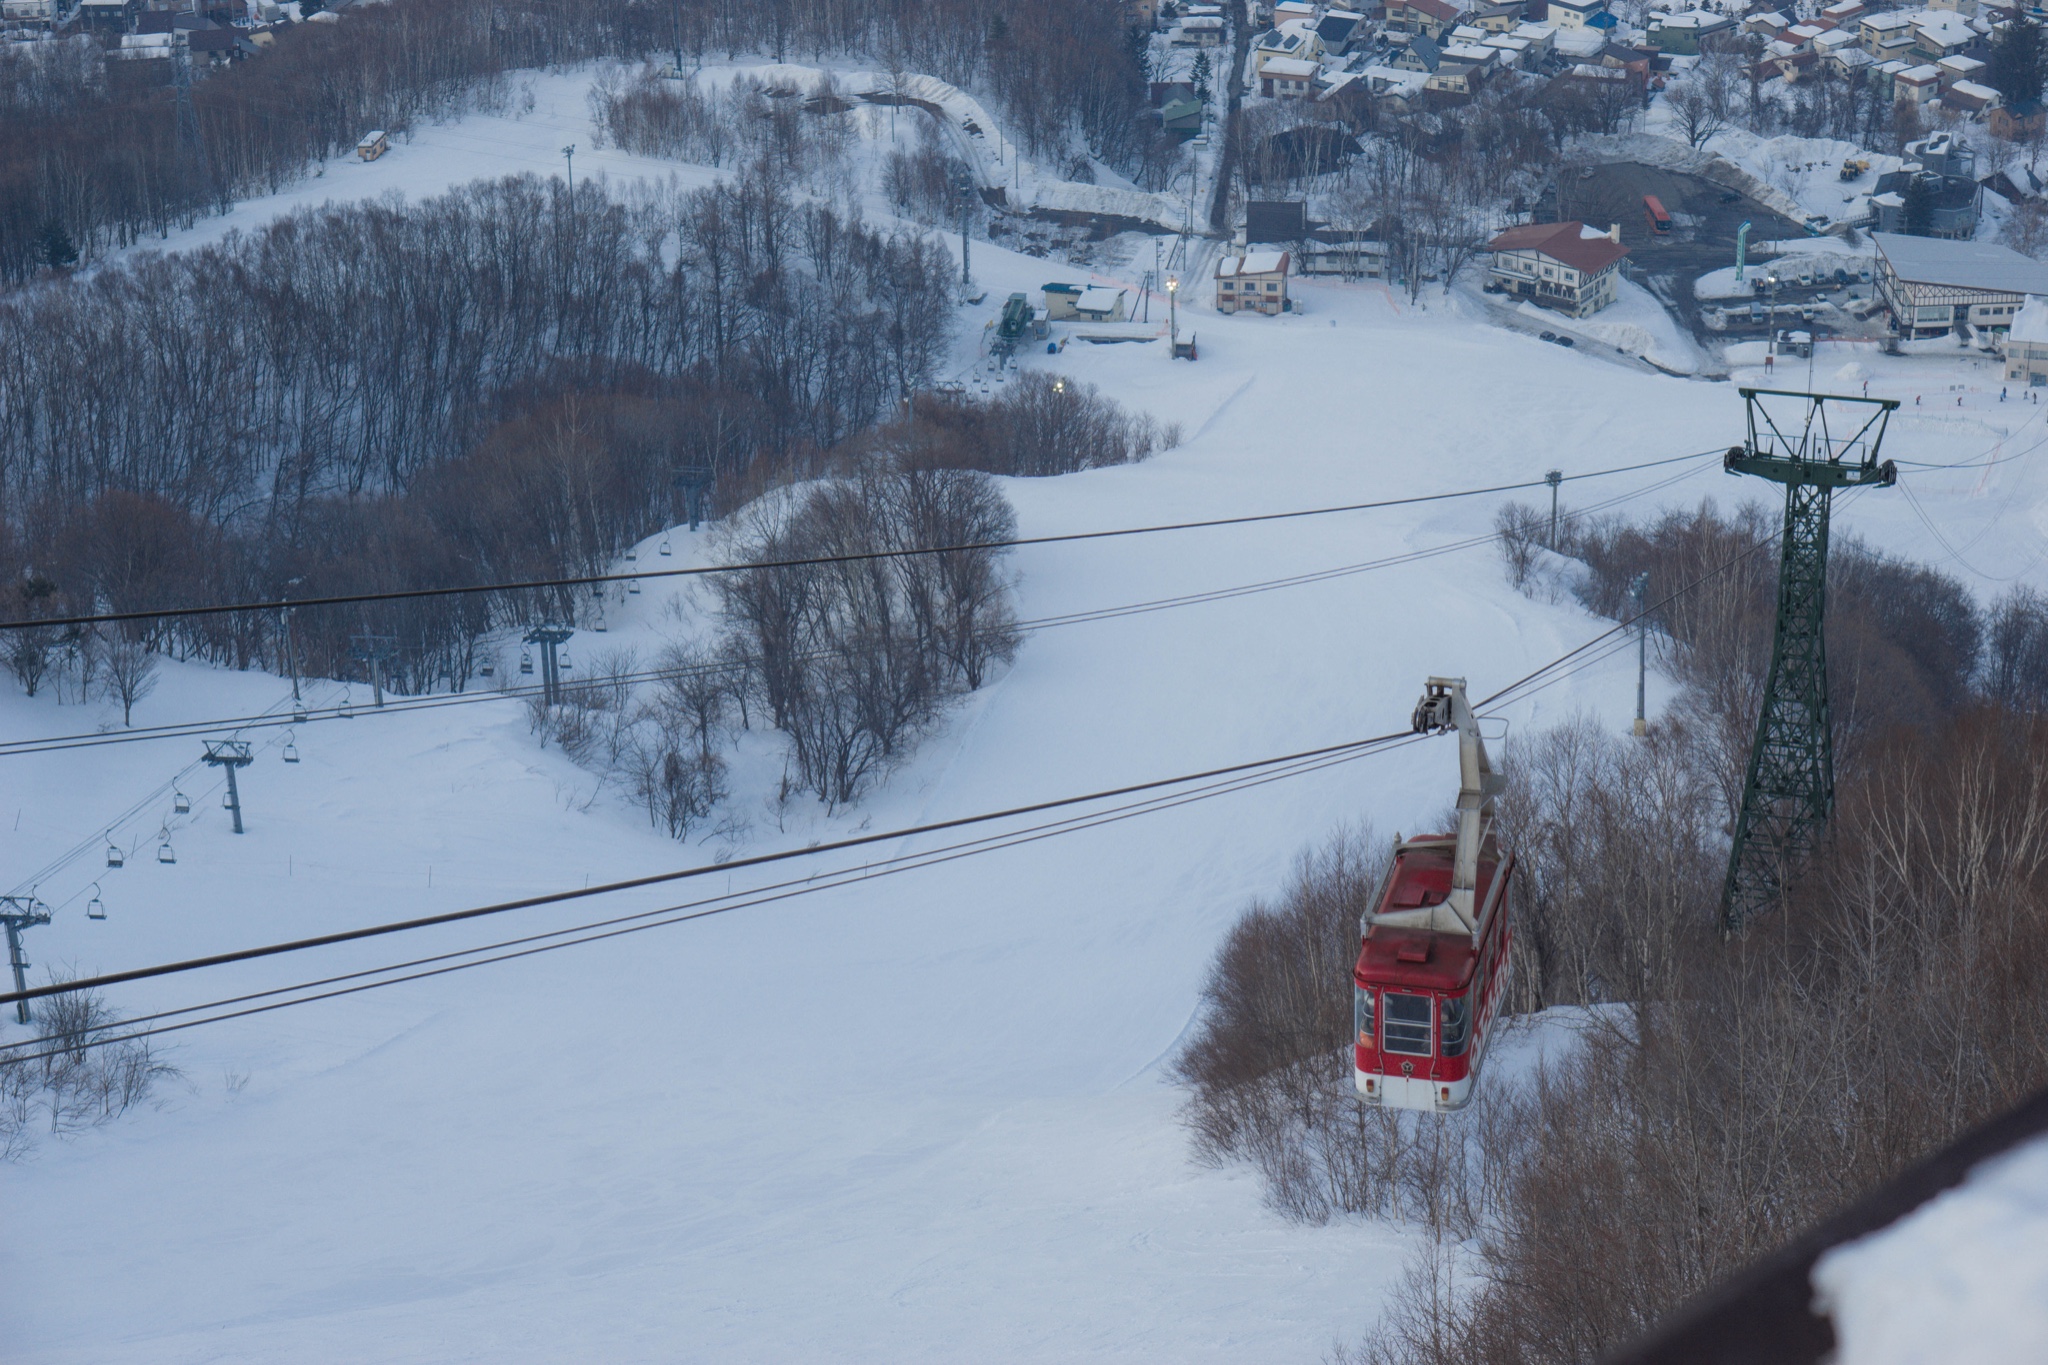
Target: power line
(274, 717)
(816, 561)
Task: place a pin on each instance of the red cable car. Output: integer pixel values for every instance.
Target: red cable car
(1433, 960)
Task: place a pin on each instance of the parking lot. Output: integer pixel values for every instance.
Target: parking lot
(1705, 220)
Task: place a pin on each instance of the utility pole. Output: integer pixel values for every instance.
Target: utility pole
(569, 155)
(1789, 789)
(1173, 315)
(230, 754)
(291, 652)
(1637, 591)
(19, 913)
(374, 650)
(1555, 478)
(963, 185)
(549, 638)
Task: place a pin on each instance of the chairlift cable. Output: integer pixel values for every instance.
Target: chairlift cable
(680, 874)
(721, 904)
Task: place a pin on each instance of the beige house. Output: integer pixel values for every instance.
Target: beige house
(1255, 281)
(1570, 267)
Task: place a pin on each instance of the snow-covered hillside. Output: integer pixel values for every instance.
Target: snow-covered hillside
(919, 1118)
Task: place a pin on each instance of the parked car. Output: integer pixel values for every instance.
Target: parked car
(1547, 336)
(1564, 341)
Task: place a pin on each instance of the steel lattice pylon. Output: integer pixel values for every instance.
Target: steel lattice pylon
(1789, 789)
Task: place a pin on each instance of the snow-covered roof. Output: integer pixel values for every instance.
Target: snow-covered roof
(1507, 42)
(1887, 22)
(1962, 265)
(1695, 18)
(1832, 39)
(1944, 27)
(1960, 65)
(1392, 79)
(1585, 42)
(1252, 263)
(1097, 299)
(1293, 68)
(1469, 52)
(2031, 322)
(1982, 94)
(1918, 75)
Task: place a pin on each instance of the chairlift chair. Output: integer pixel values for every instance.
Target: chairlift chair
(290, 753)
(227, 800)
(345, 711)
(487, 669)
(632, 556)
(164, 852)
(94, 909)
(633, 586)
(114, 855)
(526, 662)
(298, 714)
(563, 665)
(664, 551)
(181, 804)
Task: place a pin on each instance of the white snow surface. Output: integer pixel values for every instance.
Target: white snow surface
(918, 1118)
(1962, 1277)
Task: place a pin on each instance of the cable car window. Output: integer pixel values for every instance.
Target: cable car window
(1364, 1018)
(1408, 1024)
(1457, 1024)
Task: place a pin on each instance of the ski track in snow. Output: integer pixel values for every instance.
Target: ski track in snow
(907, 1120)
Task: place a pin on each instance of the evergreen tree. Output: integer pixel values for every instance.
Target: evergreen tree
(1919, 198)
(2016, 69)
(1201, 74)
(57, 247)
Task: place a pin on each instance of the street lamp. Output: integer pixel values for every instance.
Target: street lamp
(1771, 323)
(1173, 315)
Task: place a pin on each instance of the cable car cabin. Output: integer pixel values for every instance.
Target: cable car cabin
(1433, 951)
(1425, 998)
(1653, 209)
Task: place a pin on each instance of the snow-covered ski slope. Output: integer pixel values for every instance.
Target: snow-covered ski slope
(920, 1118)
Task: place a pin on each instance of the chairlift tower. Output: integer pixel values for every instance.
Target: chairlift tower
(549, 638)
(19, 913)
(374, 650)
(694, 482)
(1813, 444)
(230, 754)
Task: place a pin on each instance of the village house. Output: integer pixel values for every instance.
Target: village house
(1288, 78)
(1339, 29)
(2016, 121)
(1255, 281)
(1917, 84)
(1955, 69)
(1767, 25)
(1938, 34)
(1886, 36)
(1968, 97)
(1569, 267)
(1099, 304)
(1683, 34)
(1845, 12)
(1293, 41)
(1427, 17)
(1200, 30)
(1575, 13)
